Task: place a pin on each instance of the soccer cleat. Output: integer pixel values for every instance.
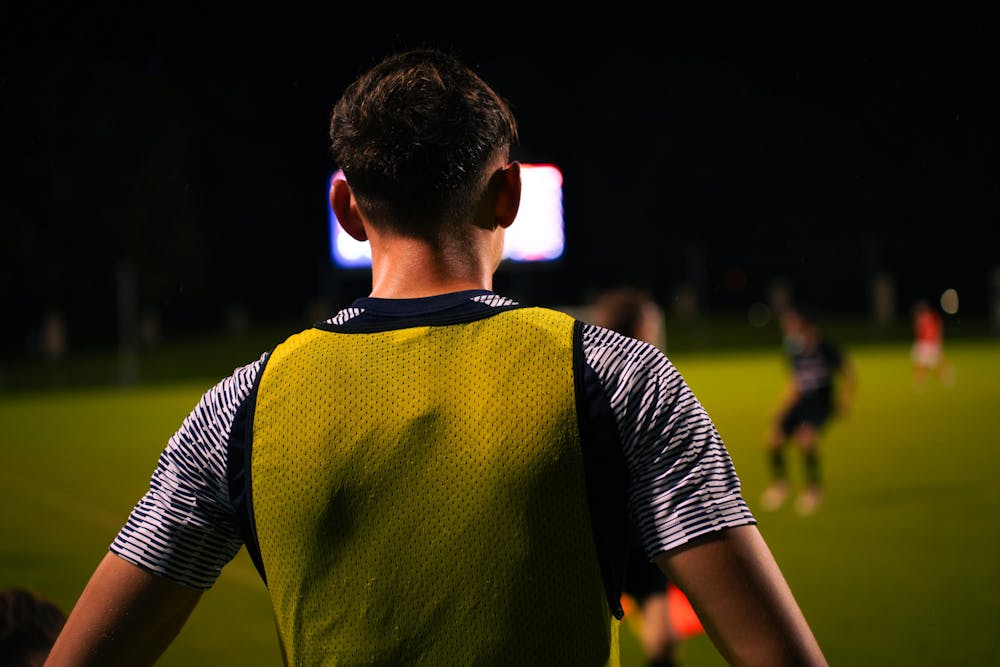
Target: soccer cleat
(775, 496)
(809, 501)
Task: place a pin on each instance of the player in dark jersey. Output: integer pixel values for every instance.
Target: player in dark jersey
(438, 474)
(822, 382)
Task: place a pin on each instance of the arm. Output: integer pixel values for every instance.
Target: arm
(786, 399)
(125, 616)
(743, 600)
(128, 614)
(848, 387)
(686, 500)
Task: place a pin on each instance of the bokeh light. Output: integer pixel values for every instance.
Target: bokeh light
(949, 301)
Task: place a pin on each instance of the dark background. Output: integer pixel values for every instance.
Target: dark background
(192, 152)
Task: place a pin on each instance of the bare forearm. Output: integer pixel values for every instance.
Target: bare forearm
(125, 616)
(743, 600)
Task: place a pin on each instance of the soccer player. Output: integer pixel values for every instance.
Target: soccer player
(634, 313)
(822, 383)
(438, 474)
(927, 353)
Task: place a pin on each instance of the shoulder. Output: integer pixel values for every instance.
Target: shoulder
(605, 347)
(209, 424)
(628, 366)
(232, 390)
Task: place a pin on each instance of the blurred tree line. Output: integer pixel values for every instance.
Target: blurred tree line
(105, 178)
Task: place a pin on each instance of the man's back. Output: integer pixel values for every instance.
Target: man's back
(418, 494)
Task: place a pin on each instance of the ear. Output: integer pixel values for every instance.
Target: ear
(346, 209)
(507, 182)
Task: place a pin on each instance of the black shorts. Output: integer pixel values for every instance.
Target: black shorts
(642, 578)
(815, 411)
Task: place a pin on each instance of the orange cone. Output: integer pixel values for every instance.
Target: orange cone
(682, 617)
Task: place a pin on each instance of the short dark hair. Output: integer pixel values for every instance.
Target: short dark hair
(415, 136)
(29, 625)
(621, 309)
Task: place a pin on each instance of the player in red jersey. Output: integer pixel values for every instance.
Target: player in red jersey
(927, 352)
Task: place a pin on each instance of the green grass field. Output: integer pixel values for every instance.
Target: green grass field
(900, 566)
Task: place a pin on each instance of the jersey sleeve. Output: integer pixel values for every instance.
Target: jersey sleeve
(183, 528)
(681, 480)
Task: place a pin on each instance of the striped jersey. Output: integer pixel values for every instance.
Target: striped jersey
(648, 449)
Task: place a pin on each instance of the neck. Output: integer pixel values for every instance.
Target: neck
(406, 268)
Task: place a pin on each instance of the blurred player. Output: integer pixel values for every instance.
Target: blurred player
(633, 312)
(927, 353)
(822, 383)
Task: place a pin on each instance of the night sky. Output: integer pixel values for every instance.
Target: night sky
(195, 151)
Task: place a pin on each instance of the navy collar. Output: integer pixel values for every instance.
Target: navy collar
(423, 305)
(368, 314)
